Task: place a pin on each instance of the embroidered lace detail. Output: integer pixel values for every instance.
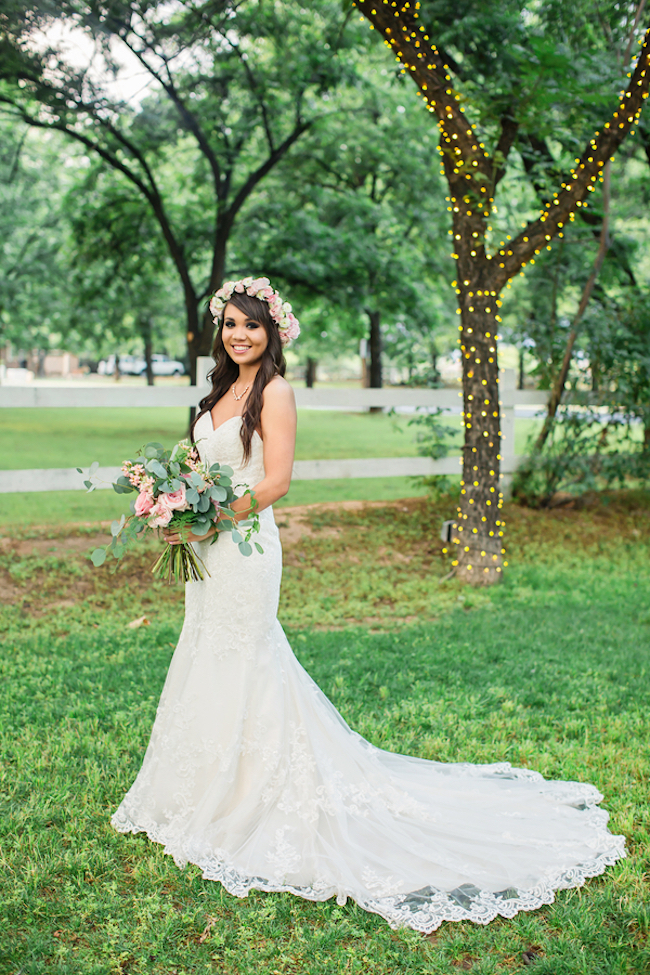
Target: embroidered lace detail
(253, 775)
(423, 910)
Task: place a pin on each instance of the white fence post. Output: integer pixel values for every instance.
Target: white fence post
(507, 393)
(204, 364)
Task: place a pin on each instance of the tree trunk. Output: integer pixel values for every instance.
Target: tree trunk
(374, 348)
(595, 375)
(478, 530)
(116, 371)
(310, 372)
(200, 327)
(522, 370)
(146, 332)
(434, 363)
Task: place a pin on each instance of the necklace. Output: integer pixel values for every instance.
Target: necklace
(241, 394)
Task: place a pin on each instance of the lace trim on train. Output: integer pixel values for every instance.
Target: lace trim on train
(423, 910)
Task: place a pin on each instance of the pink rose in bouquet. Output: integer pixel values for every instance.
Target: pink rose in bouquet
(175, 489)
(160, 516)
(175, 500)
(143, 503)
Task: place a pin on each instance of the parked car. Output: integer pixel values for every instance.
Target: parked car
(135, 365)
(162, 365)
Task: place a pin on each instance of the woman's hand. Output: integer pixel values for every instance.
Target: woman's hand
(174, 537)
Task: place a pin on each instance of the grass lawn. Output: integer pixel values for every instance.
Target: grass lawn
(32, 438)
(547, 670)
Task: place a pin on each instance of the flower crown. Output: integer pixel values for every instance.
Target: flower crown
(280, 310)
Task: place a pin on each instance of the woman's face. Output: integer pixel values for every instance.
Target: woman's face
(244, 339)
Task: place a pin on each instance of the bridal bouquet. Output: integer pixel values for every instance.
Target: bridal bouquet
(175, 490)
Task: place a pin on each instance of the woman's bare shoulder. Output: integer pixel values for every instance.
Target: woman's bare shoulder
(278, 392)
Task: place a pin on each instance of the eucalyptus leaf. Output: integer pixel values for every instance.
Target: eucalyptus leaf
(236, 537)
(259, 548)
(217, 493)
(98, 557)
(156, 468)
(245, 548)
(93, 467)
(204, 503)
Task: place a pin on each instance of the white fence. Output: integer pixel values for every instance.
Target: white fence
(68, 479)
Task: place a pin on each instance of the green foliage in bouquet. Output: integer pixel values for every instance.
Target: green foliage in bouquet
(178, 492)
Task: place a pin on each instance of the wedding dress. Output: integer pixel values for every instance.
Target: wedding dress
(252, 774)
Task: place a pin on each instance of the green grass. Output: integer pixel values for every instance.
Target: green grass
(31, 438)
(548, 670)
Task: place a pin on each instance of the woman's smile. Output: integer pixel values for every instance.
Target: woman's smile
(244, 339)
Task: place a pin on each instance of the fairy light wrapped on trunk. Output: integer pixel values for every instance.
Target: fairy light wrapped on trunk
(473, 175)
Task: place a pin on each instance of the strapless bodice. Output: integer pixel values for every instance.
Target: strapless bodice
(224, 446)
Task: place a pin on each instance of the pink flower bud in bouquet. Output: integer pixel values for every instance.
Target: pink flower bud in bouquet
(175, 501)
(160, 516)
(143, 503)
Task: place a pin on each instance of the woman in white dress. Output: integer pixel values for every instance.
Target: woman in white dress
(252, 774)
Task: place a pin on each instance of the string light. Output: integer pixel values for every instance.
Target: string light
(469, 171)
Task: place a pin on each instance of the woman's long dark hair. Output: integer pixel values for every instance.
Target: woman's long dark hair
(226, 372)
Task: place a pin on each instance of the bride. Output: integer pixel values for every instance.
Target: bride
(252, 774)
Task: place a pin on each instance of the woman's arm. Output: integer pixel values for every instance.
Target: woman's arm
(278, 422)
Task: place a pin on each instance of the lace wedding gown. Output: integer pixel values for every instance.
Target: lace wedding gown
(252, 774)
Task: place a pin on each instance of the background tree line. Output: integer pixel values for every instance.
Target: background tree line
(288, 139)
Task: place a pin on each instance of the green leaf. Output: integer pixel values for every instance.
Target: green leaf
(204, 503)
(155, 467)
(93, 467)
(236, 537)
(259, 548)
(245, 548)
(152, 449)
(98, 557)
(218, 493)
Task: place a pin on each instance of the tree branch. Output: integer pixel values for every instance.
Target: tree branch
(583, 178)
(261, 171)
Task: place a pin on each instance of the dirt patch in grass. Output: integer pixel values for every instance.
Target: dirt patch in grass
(372, 563)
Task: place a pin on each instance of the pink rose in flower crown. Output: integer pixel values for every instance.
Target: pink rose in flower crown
(175, 500)
(258, 284)
(160, 516)
(143, 503)
(292, 330)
